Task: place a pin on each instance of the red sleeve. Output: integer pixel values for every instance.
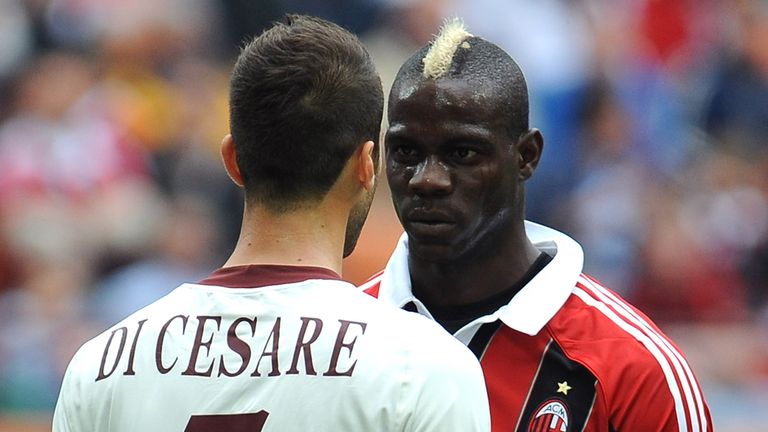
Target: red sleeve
(645, 380)
(664, 393)
(644, 397)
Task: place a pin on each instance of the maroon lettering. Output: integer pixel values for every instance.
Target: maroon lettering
(274, 336)
(332, 367)
(198, 343)
(161, 338)
(123, 337)
(239, 346)
(304, 347)
(129, 370)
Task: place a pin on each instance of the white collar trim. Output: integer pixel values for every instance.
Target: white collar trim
(531, 308)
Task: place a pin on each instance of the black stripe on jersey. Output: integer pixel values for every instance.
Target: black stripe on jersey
(556, 371)
(482, 338)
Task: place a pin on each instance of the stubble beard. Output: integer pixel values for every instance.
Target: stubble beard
(357, 216)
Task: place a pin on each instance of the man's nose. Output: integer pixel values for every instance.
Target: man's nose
(431, 177)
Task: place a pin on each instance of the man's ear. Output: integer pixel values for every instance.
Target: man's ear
(365, 166)
(229, 156)
(529, 149)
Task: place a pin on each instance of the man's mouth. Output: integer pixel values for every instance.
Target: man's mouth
(421, 222)
(429, 217)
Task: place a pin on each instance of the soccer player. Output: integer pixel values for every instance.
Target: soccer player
(274, 340)
(560, 352)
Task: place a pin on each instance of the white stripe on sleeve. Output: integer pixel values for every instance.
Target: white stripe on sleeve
(652, 348)
(687, 379)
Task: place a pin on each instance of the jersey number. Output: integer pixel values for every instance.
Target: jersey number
(227, 422)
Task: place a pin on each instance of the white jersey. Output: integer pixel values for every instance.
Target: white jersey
(272, 348)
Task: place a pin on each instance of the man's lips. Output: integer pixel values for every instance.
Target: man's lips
(428, 223)
(429, 217)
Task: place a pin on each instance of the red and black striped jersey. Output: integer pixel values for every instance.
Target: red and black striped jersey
(567, 354)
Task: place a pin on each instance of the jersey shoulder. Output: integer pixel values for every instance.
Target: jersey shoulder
(421, 330)
(638, 367)
(600, 326)
(92, 351)
(440, 381)
(409, 329)
(437, 380)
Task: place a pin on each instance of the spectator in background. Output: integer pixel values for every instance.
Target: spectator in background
(731, 209)
(703, 283)
(737, 114)
(43, 314)
(180, 251)
(71, 147)
(606, 211)
(16, 44)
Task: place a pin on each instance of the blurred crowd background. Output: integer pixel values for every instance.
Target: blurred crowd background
(654, 113)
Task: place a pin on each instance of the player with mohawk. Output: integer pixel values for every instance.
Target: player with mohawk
(559, 351)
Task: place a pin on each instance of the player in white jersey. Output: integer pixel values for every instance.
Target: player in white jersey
(274, 340)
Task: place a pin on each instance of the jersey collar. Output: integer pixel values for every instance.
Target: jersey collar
(530, 309)
(261, 275)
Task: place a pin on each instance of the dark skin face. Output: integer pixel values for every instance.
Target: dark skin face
(456, 177)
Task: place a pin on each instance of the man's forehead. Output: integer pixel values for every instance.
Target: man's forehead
(445, 96)
(447, 90)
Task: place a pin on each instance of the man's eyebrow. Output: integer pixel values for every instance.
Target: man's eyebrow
(466, 132)
(474, 140)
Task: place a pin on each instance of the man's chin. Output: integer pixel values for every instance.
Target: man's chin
(432, 250)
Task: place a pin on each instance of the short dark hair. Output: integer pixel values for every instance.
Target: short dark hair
(486, 65)
(303, 96)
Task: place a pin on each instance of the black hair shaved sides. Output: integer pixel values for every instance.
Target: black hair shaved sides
(484, 65)
(303, 96)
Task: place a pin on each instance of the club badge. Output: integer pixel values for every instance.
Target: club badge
(551, 416)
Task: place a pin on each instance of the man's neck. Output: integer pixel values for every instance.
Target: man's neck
(470, 279)
(306, 237)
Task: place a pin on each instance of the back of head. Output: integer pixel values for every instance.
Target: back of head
(303, 96)
(458, 55)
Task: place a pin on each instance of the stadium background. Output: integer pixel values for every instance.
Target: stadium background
(654, 112)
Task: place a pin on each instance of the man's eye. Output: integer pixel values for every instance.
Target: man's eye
(404, 152)
(464, 153)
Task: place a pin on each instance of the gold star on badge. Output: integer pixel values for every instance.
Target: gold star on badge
(563, 387)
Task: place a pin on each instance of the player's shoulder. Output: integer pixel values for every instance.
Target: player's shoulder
(396, 318)
(408, 331)
(419, 330)
(92, 350)
(596, 323)
(603, 314)
(621, 345)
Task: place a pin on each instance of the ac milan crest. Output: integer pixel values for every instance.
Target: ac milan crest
(551, 416)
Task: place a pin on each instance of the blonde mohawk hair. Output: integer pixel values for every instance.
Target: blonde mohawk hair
(438, 59)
